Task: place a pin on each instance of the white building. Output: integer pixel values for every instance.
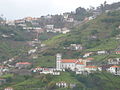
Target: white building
(101, 52)
(32, 51)
(65, 30)
(9, 88)
(114, 70)
(76, 47)
(114, 61)
(49, 28)
(87, 54)
(59, 30)
(74, 64)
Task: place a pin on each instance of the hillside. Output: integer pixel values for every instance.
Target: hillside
(104, 28)
(98, 34)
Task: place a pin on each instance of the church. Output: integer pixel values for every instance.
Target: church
(74, 64)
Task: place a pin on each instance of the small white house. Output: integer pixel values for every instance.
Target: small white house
(62, 84)
(59, 30)
(76, 47)
(87, 54)
(114, 61)
(32, 51)
(114, 69)
(65, 30)
(101, 52)
(9, 88)
(49, 28)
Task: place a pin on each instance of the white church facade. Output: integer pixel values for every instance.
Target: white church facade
(73, 64)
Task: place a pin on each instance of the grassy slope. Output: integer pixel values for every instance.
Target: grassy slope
(105, 81)
(81, 34)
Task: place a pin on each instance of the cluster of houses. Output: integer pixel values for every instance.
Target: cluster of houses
(50, 28)
(77, 65)
(63, 84)
(83, 66)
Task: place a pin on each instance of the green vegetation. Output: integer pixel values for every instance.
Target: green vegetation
(94, 35)
(46, 36)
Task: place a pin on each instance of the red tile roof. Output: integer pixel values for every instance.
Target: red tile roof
(68, 60)
(80, 63)
(90, 59)
(23, 63)
(115, 66)
(91, 66)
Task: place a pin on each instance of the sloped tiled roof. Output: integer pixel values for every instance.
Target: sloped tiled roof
(89, 58)
(115, 66)
(80, 63)
(23, 63)
(91, 66)
(69, 60)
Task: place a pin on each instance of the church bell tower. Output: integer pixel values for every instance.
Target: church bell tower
(58, 61)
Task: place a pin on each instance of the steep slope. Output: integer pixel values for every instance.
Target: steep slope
(92, 34)
(12, 41)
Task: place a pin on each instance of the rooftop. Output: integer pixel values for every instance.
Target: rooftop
(69, 60)
(23, 63)
(91, 66)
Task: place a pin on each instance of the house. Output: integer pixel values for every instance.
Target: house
(62, 84)
(101, 52)
(59, 30)
(22, 65)
(46, 71)
(20, 21)
(5, 36)
(49, 28)
(114, 61)
(87, 54)
(38, 30)
(114, 70)
(117, 52)
(27, 28)
(76, 47)
(3, 69)
(119, 26)
(70, 20)
(10, 23)
(91, 18)
(37, 69)
(43, 45)
(9, 88)
(2, 81)
(32, 51)
(65, 30)
(91, 68)
(40, 70)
